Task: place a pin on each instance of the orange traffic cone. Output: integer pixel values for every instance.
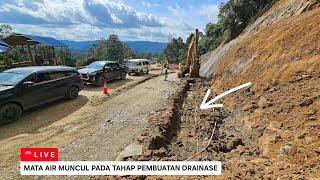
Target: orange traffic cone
(105, 89)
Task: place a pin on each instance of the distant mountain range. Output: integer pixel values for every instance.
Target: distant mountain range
(138, 46)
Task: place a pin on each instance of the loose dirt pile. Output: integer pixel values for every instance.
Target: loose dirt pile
(280, 114)
(236, 142)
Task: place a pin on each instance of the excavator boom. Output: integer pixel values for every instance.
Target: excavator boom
(191, 64)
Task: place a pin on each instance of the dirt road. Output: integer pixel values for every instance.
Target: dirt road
(92, 127)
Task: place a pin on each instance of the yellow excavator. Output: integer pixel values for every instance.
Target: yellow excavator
(191, 65)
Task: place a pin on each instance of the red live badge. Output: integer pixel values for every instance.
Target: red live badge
(39, 154)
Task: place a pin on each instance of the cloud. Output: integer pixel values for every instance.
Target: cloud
(71, 12)
(146, 4)
(94, 19)
(84, 32)
(211, 11)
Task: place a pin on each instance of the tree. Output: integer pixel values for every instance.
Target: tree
(176, 50)
(111, 49)
(234, 16)
(127, 51)
(115, 48)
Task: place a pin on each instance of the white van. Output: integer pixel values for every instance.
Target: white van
(138, 66)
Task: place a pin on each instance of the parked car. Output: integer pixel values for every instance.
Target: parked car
(99, 71)
(26, 87)
(138, 66)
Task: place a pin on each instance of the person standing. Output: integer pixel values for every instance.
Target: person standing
(165, 69)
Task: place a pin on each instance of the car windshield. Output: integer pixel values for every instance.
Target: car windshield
(132, 64)
(11, 78)
(96, 65)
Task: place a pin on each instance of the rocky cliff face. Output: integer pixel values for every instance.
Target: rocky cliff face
(280, 114)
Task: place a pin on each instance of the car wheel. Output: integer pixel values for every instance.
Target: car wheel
(100, 81)
(73, 93)
(147, 71)
(9, 113)
(123, 75)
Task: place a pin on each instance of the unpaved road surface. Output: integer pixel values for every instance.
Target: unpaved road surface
(92, 127)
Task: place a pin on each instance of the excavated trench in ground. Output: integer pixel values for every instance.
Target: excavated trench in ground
(181, 130)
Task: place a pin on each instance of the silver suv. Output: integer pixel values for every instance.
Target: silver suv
(138, 66)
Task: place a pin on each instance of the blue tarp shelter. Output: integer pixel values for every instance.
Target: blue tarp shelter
(4, 46)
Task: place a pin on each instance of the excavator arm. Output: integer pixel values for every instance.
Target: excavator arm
(191, 64)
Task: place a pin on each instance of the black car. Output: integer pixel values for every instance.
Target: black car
(100, 71)
(26, 87)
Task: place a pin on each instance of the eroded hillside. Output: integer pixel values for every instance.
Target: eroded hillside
(279, 115)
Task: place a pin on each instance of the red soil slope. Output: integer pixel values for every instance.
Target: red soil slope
(281, 110)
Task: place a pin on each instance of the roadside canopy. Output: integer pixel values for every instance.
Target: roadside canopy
(4, 46)
(23, 39)
(44, 44)
(47, 41)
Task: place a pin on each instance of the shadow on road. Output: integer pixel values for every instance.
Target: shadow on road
(34, 119)
(110, 84)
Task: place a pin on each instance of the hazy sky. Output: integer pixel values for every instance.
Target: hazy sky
(150, 20)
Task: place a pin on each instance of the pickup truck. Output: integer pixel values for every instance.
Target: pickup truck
(100, 71)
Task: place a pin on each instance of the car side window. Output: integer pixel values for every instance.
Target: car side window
(43, 77)
(107, 66)
(38, 78)
(57, 75)
(113, 65)
(33, 78)
(70, 73)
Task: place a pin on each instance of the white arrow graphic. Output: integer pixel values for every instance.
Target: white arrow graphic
(208, 105)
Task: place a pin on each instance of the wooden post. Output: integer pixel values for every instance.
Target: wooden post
(54, 52)
(54, 56)
(62, 56)
(42, 54)
(25, 54)
(30, 54)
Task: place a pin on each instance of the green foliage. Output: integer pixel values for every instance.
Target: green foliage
(70, 57)
(111, 49)
(176, 50)
(212, 38)
(115, 48)
(108, 49)
(234, 16)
